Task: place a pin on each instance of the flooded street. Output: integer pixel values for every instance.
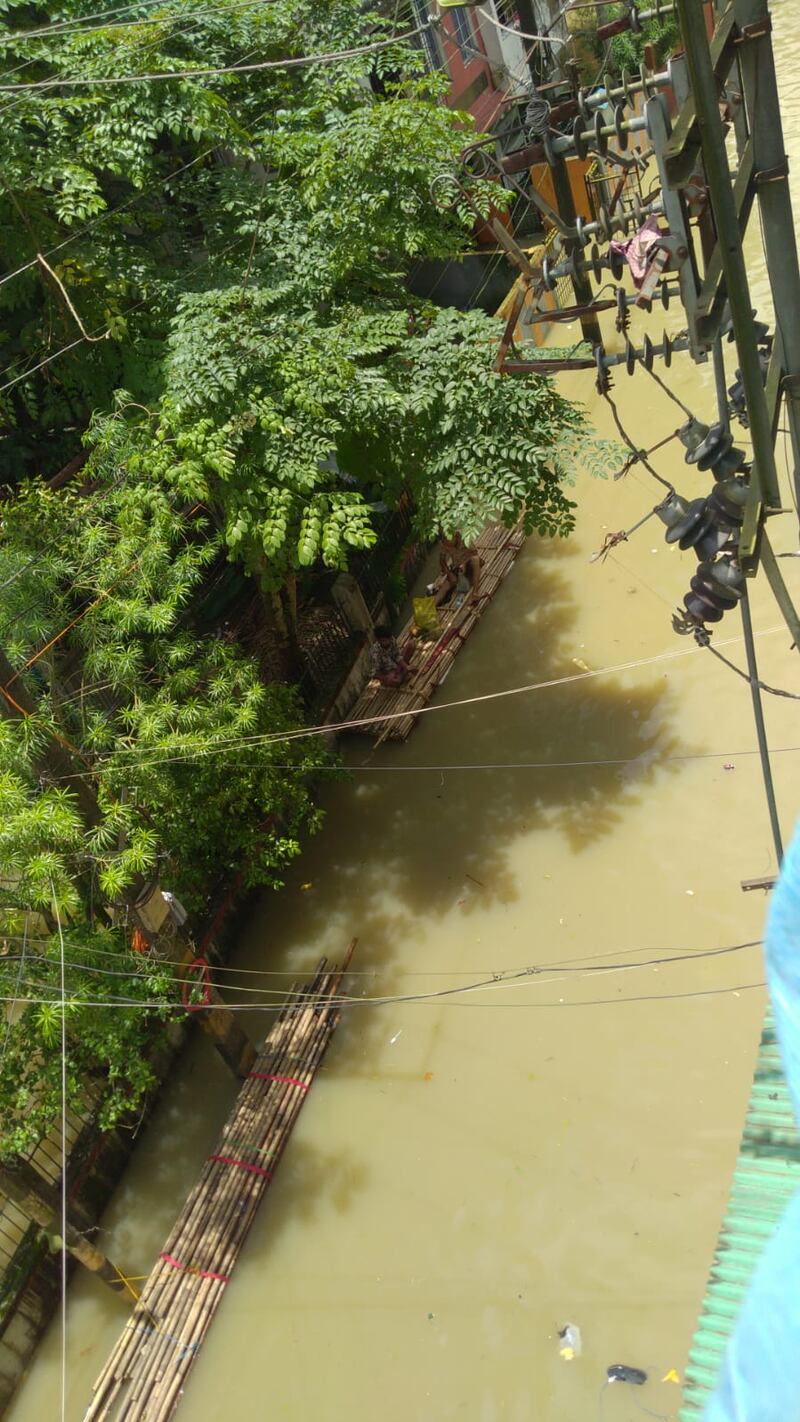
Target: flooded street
(470, 1173)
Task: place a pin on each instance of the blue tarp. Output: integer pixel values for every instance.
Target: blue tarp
(760, 1379)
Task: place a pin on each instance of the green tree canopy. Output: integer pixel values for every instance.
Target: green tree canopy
(207, 220)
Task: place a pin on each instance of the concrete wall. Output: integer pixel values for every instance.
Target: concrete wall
(96, 1164)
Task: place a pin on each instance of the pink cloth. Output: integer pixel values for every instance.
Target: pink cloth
(637, 251)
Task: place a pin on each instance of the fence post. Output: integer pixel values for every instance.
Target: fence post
(40, 1203)
(350, 601)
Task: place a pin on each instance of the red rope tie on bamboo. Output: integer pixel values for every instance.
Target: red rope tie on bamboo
(192, 1269)
(243, 1165)
(204, 981)
(289, 1080)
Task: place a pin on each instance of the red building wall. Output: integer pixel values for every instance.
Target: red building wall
(472, 86)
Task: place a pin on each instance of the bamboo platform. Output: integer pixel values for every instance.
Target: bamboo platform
(144, 1377)
(431, 661)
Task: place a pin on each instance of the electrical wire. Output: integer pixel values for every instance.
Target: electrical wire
(515, 77)
(298, 62)
(122, 206)
(72, 28)
(522, 34)
(42, 363)
(516, 977)
(137, 305)
(667, 391)
(283, 973)
(638, 454)
(343, 769)
(303, 732)
(282, 998)
(136, 50)
(703, 640)
(227, 745)
(272, 1007)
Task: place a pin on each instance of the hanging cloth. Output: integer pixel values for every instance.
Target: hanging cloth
(638, 249)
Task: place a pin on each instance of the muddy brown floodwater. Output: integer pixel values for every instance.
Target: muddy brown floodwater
(471, 1173)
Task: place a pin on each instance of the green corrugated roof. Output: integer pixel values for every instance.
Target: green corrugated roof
(766, 1176)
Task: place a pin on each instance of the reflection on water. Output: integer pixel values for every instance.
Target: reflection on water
(471, 1173)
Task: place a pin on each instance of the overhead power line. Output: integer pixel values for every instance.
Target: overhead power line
(218, 747)
(217, 967)
(99, 330)
(234, 743)
(735, 989)
(544, 38)
(510, 977)
(298, 62)
(70, 28)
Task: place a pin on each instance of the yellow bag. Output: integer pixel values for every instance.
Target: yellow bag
(426, 615)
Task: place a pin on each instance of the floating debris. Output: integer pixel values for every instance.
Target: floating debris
(570, 1341)
(621, 1372)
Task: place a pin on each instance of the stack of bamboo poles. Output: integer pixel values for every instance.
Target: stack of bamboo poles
(144, 1378)
(431, 662)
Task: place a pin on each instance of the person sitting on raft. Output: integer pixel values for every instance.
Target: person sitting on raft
(461, 565)
(388, 666)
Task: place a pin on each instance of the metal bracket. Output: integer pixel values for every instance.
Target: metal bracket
(680, 157)
(773, 175)
(711, 298)
(761, 500)
(757, 30)
(658, 131)
(765, 882)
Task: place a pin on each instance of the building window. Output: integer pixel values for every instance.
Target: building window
(427, 39)
(462, 33)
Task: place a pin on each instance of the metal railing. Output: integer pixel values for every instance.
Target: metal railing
(328, 647)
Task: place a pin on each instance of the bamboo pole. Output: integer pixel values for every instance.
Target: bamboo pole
(174, 1288)
(146, 1379)
(157, 1296)
(241, 1202)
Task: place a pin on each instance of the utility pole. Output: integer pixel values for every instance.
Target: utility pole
(749, 639)
(771, 175)
(562, 191)
(729, 244)
(581, 285)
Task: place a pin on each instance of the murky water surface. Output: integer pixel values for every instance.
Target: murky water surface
(472, 1173)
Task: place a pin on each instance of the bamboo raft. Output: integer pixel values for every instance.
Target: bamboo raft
(431, 661)
(144, 1377)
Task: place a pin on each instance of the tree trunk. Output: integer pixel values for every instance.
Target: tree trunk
(285, 659)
